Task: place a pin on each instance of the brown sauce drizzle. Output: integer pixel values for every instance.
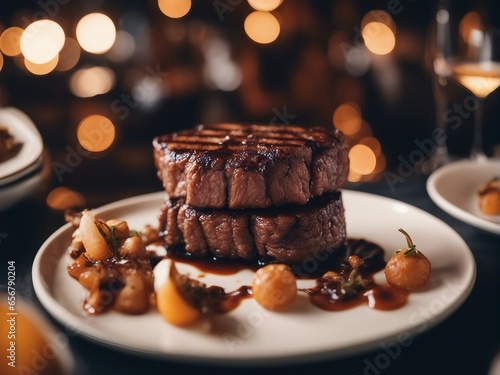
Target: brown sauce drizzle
(356, 288)
(384, 297)
(225, 302)
(217, 266)
(380, 297)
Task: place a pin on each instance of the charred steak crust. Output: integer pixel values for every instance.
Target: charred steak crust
(250, 166)
(288, 234)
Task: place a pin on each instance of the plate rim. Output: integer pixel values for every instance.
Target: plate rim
(449, 207)
(64, 316)
(30, 133)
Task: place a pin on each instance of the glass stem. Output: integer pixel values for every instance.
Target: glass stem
(477, 152)
(440, 94)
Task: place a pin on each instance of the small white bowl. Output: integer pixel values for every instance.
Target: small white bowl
(454, 188)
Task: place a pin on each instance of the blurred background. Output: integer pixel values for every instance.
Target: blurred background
(102, 78)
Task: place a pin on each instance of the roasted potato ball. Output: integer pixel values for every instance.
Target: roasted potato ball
(274, 286)
(409, 268)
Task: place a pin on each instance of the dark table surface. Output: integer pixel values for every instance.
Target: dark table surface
(465, 343)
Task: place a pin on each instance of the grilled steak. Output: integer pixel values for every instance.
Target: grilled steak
(289, 234)
(250, 166)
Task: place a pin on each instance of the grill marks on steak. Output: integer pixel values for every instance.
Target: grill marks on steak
(250, 166)
(289, 234)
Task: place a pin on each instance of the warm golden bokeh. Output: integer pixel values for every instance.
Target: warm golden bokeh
(89, 82)
(10, 41)
(362, 159)
(470, 22)
(380, 16)
(41, 69)
(174, 8)
(373, 143)
(265, 5)
(354, 176)
(63, 198)
(1, 61)
(378, 38)
(96, 33)
(262, 27)
(347, 118)
(96, 133)
(41, 41)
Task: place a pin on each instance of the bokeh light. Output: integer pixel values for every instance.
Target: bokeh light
(362, 159)
(354, 176)
(373, 143)
(174, 8)
(41, 41)
(378, 38)
(88, 82)
(347, 118)
(1, 61)
(96, 33)
(262, 27)
(220, 71)
(69, 55)
(470, 22)
(367, 161)
(123, 48)
(41, 69)
(63, 198)
(96, 133)
(265, 5)
(379, 32)
(380, 16)
(10, 41)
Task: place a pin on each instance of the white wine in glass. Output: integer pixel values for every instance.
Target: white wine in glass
(475, 60)
(481, 78)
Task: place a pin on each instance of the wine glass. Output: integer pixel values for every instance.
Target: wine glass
(474, 60)
(438, 50)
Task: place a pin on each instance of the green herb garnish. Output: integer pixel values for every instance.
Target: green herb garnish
(412, 248)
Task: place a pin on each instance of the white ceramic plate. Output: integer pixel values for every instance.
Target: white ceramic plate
(454, 189)
(24, 131)
(16, 177)
(250, 334)
(14, 193)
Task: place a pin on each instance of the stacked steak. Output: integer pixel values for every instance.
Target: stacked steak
(253, 191)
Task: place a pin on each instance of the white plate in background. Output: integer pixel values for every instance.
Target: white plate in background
(14, 193)
(454, 188)
(25, 132)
